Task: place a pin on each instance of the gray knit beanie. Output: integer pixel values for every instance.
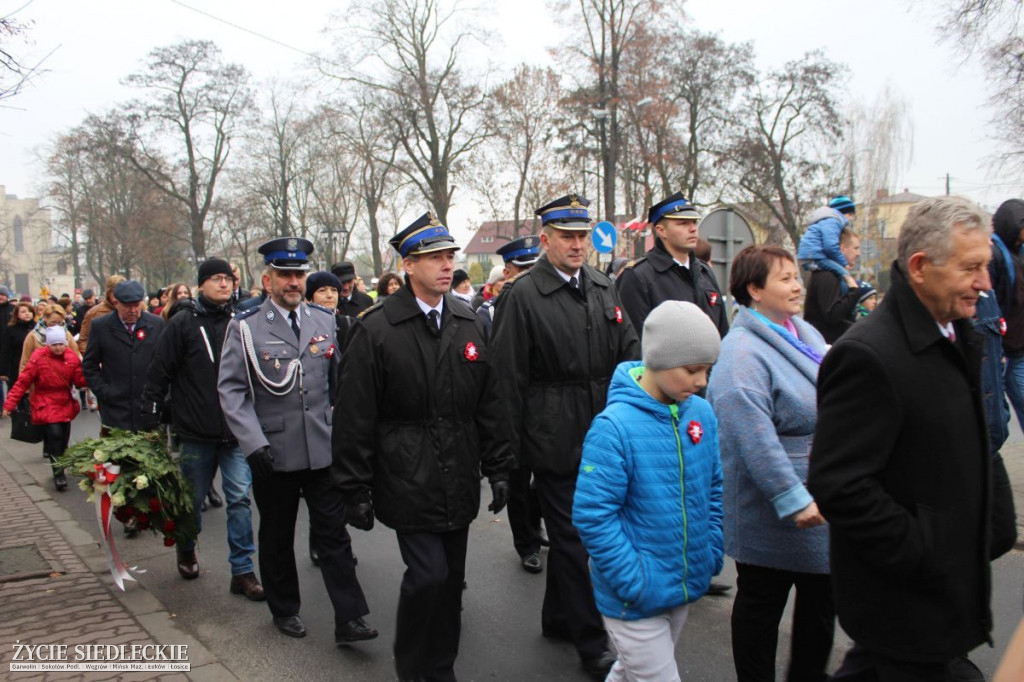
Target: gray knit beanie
(678, 333)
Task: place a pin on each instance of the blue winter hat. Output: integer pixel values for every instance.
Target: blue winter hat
(843, 204)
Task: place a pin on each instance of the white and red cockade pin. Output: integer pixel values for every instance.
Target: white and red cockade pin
(618, 315)
(1002, 326)
(713, 297)
(140, 334)
(471, 352)
(695, 432)
(330, 351)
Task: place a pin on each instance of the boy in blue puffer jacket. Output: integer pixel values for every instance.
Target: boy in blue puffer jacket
(648, 502)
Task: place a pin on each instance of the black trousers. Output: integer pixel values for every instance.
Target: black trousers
(863, 665)
(569, 607)
(278, 502)
(761, 595)
(524, 512)
(430, 604)
(55, 441)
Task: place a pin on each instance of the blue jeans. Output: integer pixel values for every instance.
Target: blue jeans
(199, 462)
(1014, 378)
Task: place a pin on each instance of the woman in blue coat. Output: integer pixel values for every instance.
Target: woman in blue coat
(763, 391)
(648, 503)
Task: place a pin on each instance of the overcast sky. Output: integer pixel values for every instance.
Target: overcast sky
(97, 43)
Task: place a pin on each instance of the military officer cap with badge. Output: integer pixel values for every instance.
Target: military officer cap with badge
(287, 253)
(426, 235)
(676, 206)
(566, 213)
(522, 252)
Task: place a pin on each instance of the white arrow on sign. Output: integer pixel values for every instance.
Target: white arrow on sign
(606, 239)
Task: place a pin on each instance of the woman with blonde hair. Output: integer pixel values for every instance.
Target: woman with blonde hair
(53, 315)
(177, 292)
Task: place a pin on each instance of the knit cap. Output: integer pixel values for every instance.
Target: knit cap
(678, 333)
(55, 335)
(214, 266)
(321, 279)
(866, 291)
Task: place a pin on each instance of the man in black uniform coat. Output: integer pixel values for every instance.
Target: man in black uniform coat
(351, 301)
(559, 333)
(670, 271)
(422, 418)
(524, 513)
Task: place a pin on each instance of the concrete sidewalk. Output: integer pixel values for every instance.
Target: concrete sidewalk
(1013, 458)
(55, 584)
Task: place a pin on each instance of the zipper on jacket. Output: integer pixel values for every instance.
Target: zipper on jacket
(674, 409)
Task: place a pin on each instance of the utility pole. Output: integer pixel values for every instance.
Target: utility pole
(947, 184)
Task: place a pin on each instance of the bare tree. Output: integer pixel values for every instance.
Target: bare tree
(434, 107)
(610, 29)
(791, 123)
(15, 72)
(991, 31)
(196, 101)
(65, 161)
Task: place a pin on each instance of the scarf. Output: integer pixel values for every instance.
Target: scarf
(789, 334)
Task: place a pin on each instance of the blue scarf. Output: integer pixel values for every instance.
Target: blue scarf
(790, 337)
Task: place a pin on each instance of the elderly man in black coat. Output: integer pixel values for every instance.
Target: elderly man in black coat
(117, 359)
(900, 466)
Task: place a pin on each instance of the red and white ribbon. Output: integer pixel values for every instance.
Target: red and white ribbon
(104, 475)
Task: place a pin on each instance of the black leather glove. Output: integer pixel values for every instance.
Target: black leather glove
(262, 463)
(149, 418)
(499, 496)
(359, 513)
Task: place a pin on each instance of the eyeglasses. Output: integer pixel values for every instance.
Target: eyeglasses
(221, 279)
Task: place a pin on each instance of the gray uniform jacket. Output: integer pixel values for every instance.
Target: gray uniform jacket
(296, 425)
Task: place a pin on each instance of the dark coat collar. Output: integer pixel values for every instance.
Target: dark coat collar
(661, 260)
(919, 326)
(548, 280)
(401, 306)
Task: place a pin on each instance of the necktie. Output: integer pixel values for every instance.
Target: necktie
(574, 283)
(951, 335)
(130, 328)
(295, 323)
(434, 322)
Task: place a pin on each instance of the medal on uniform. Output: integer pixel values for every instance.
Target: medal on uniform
(266, 356)
(277, 364)
(314, 349)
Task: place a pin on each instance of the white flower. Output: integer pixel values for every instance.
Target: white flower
(141, 482)
(85, 485)
(100, 456)
(91, 498)
(117, 500)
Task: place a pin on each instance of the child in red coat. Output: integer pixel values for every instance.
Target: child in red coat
(51, 373)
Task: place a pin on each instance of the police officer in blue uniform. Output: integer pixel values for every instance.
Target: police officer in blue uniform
(422, 419)
(274, 386)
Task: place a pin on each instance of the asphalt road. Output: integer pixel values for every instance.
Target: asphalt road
(501, 619)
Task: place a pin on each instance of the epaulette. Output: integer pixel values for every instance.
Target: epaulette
(242, 314)
(375, 306)
(637, 261)
(317, 306)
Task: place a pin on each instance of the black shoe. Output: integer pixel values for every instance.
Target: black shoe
(188, 564)
(314, 555)
(599, 666)
(131, 527)
(555, 632)
(214, 498)
(718, 589)
(531, 563)
(61, 481)
(542, 540)
(290, 625)
(353, 631)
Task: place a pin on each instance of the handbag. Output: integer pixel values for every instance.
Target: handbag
(22, 427)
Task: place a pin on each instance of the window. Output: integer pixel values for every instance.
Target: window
(62, 267)
(486, 239)
(19, 235)
(21, 283)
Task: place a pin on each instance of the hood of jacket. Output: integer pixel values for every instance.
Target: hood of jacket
(826, 212)
(1008, 221)
(625, 388)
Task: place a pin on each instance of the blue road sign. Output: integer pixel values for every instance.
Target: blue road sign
(603, 237)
